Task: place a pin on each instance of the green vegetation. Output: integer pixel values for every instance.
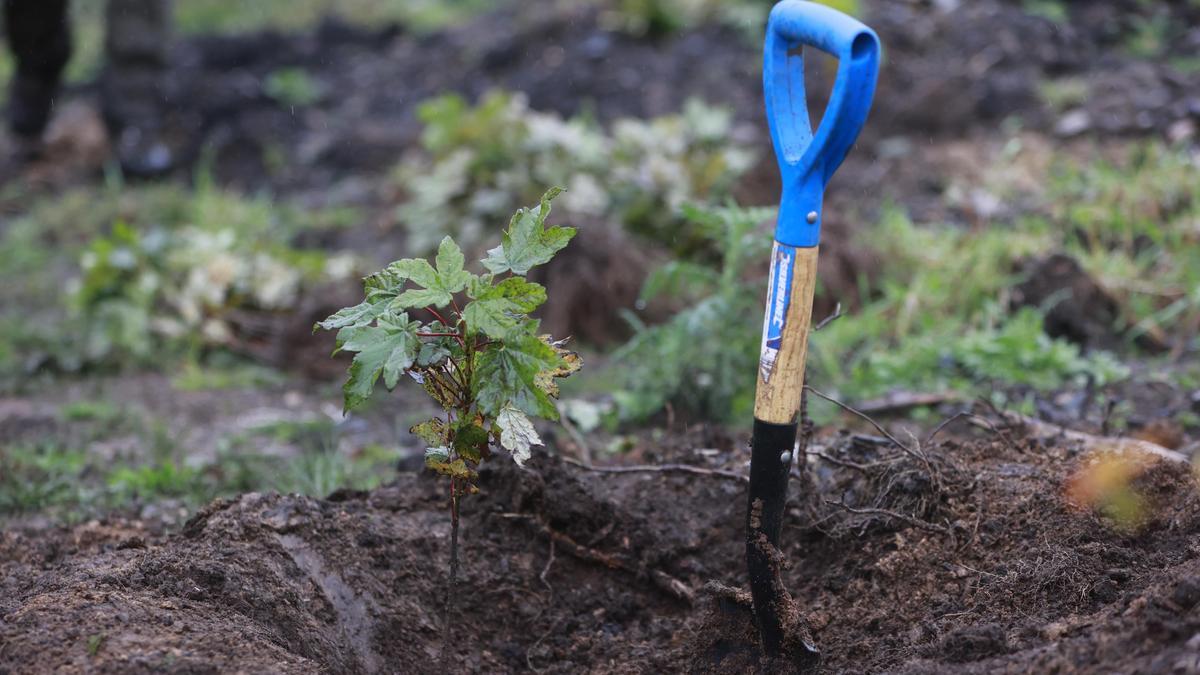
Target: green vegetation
(207, 16)
(704, 358)
(1051, 10)
(114, 457)
(151, 272)
(292, 86)
(486, 366)
(660, 17)
(1064, 93)
(481, 163)
(933, 316)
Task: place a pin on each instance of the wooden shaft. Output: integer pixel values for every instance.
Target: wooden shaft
(785, 347)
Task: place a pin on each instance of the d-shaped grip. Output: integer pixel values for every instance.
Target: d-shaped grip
(808, 161)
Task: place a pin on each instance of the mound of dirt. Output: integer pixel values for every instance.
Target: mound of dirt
(964, 558)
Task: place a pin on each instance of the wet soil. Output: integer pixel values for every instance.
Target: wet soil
(975, 556)
(968, 557)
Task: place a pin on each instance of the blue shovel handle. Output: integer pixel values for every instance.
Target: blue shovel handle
(808, 161)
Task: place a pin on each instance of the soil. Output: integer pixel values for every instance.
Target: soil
(968, 557)
(979, 553)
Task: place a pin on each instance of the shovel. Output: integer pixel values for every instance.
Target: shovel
(806, 161)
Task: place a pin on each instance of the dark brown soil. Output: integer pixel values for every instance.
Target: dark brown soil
(969, 558)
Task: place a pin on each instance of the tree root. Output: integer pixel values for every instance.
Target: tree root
(658, 578)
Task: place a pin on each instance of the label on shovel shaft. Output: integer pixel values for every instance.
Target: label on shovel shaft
(779, 297)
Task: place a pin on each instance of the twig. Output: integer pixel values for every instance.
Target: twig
(661, 468)
(837, 314)
(660, 579)
(915, 522)
(868, 418)
(902, 401)
(838, 462)
(945, 423)
(546, 569)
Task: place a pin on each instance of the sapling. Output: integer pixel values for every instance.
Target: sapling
(469, 341)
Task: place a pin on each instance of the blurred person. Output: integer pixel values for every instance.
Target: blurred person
(131, 83)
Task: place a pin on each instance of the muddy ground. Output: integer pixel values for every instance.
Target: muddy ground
(977, 554)
(970, 555)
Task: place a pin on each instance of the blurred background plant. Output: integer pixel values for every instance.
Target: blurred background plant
(482, 162)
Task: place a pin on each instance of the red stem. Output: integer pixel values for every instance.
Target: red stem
(441, 318)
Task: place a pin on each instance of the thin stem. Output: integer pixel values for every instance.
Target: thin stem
(439, 317)
(447, 633)
(453, 335)
(463, 380)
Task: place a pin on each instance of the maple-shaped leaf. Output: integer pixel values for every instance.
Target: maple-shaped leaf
(389, 348)
(433, 352)
(431, 431)
(437, 286)
(571, 362)
(498, 309)
(508, 375)
(470, 439)
(361, 314)
(527, 242)
(438, 459)
(517, 434)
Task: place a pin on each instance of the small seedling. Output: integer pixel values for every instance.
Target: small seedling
(483, 361)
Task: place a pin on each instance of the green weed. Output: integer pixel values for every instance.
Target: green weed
(704, 358)
(292, 87)
(1051, 10)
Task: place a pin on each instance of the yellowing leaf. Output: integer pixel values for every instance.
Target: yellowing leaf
(431, 431)
(547, 380)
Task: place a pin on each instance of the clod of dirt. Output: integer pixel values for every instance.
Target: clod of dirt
(1077, 308)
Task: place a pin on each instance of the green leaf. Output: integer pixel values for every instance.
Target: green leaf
(502, 307)
(527, 242)
(361, 314)
(470, 440)
(437, 286)
(422, 297)
(433, 352)
(517, 434)
(388, 349)
(450, 261)
(508, 374)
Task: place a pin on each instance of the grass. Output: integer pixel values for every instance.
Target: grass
(70, 479)
(207, 16)
(935, 316)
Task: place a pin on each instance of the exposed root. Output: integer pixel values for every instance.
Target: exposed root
(660, 579)
(661, 468)
(887, 513)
